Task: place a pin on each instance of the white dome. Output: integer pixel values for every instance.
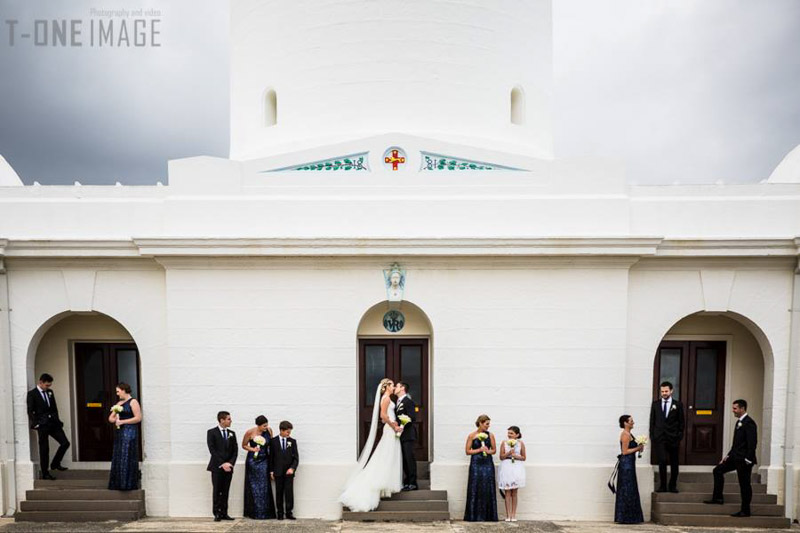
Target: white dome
(788, 171)
(341, 70)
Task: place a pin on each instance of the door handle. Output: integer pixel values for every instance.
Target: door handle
(691, 407)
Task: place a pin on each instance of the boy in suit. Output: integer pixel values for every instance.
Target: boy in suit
(43, 417)
(223, 449)
(284, 459)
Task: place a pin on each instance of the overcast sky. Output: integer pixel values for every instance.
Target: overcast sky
(681, 90)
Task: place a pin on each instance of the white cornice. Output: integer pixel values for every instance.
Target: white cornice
(632, 247)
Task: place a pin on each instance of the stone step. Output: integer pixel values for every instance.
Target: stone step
(706, 477)
(423, 484)
(699, 497)
(82, 505)
(77, 516)
(70, 483)
(413, 505)
(729, 522)
(758, 509)
(81, 474)
(429, 495)
(396, 516)
(730, 487)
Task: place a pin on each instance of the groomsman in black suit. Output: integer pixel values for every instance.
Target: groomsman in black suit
(283, 462)
(43, 417)
(406, 406)
(223, 449)
(741, 458)
(667, 425)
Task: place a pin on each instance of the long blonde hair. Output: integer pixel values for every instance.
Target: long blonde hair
(385, 383)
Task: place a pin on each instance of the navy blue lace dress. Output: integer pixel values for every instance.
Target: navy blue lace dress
(258, 502)
(628, 508)
(481, 491)
(125, 458)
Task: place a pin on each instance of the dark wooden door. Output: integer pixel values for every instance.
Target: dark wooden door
(98, 369)
(401, 359)
(697, 371)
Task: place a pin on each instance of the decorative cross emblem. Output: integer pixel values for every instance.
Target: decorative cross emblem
(394, 159)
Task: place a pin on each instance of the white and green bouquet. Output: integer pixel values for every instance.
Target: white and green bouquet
(260, 441)
(482, 437)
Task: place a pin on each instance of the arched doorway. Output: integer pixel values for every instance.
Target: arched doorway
(87, 354)
(394, 341)
(711, 359)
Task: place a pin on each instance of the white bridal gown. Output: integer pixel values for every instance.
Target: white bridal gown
(382, 476)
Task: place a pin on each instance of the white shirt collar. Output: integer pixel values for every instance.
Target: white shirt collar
(223, 430)
(742, 417)
(400, 398)
(41, 390)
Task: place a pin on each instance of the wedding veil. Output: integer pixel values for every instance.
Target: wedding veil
(366, 451)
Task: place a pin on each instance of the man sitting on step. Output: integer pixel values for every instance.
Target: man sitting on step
(741, 458)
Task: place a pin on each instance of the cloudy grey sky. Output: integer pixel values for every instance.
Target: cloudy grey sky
(682, 90)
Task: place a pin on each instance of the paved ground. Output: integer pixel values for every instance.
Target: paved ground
(199, 525)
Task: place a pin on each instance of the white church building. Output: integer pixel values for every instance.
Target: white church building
(547, 293)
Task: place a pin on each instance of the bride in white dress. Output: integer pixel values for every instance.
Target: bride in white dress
(381, 474)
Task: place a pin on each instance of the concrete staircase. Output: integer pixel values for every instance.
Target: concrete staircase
(687, 508)
(423, 505)
(79, 496)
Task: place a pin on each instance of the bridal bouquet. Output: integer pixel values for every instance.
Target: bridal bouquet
(512, 443)
(404, 419)
(641, 439)
(482, 437)
(117, 409)
(260, 441)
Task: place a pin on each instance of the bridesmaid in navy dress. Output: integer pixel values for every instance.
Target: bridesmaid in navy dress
(125, 458)
(481, 491)
(628, 508)
(258, 502)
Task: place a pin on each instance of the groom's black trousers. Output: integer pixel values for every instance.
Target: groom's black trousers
(409, 463)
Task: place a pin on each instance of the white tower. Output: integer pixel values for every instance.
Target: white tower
(309, 73)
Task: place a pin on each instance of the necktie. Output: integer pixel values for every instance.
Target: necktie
(283, 443)
(225, 434)
(665, 408)
(46, 399)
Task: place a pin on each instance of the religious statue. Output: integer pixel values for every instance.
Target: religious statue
(395, 279)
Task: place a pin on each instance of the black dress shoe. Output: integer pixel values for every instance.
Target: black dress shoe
(405, 488)
(413, 487)
(741, 514)
(674, 491)
(290, 517)
(48, 476)
(713, 502)
(661, 489)
(227, 517)
(59, 467)
(280, 517)
(217, 519)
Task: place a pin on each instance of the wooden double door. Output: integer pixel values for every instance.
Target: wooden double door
(697, 372)
(400, 359)
(99, 367)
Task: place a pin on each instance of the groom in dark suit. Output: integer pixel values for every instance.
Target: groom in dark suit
(222, 446)
(406, 406)
(283, 461)
(667, 425)
(741, 458)
(43, 417)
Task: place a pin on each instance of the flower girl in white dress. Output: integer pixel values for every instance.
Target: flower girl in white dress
(511, 473)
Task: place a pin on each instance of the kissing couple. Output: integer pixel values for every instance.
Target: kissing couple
(392, 466)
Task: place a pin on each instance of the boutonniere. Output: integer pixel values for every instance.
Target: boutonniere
(673, 408)
(738, 425)
(288, 444)
(400, 408)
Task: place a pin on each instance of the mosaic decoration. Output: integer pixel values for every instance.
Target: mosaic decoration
(394, 157)
(352, 163)
(393, 321)
(438, 162)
